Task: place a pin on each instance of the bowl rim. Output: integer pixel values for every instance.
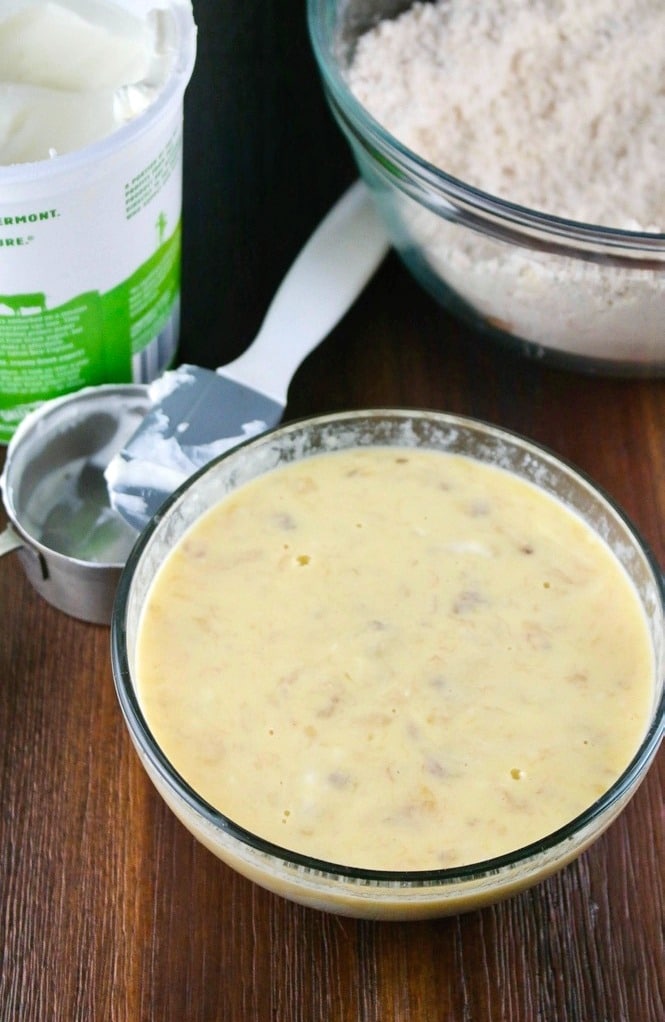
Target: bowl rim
(621, 789)
(562, 231)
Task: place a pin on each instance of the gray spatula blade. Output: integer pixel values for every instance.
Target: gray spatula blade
(205, 403)
(199, 413)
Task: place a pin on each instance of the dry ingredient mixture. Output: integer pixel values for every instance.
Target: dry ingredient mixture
(556, 105)
(394, 658)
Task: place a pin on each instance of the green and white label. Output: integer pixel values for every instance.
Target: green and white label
(90, 279)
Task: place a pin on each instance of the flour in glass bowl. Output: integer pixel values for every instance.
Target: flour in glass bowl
(555, 105)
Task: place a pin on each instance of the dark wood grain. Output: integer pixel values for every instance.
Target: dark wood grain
(109, 910)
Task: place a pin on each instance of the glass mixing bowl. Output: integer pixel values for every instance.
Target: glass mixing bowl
(580, 296)
(368, 893)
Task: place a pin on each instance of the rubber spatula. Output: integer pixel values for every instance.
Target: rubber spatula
(199, 413)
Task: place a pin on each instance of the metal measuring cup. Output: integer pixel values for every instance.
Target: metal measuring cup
(71, 543)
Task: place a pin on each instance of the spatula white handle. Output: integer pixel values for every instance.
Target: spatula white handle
(327, 276)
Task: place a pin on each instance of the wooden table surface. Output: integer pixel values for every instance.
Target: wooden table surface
(109, 910)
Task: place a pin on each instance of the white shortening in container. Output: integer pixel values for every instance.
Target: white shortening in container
(91, 119)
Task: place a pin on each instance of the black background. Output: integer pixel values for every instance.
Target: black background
(263, 160)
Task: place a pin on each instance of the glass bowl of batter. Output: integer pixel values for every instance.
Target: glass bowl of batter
(515, 156)
(392, 664)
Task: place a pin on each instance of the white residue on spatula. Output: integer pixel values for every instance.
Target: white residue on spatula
(159, 461)
(172, 380)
